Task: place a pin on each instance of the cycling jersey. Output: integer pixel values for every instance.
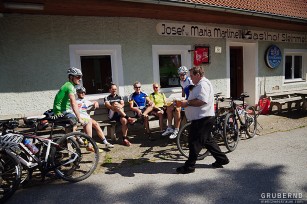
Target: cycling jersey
(112, 99)
(158, 99)
(185, 85)
(83, 105)
(139, 99)
(61, 101)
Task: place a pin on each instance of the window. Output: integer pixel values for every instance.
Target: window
(168, 66)
(293, 67)
(100, 65)
(166, 61)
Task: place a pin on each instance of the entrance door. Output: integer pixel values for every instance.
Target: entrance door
(97, 73)
(236, 71)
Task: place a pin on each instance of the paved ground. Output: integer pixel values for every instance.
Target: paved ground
(260, 167)
(143, 150)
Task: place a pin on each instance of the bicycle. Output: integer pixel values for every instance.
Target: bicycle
(217, 132)
(10, 167)
(65, 154)
(247, 117)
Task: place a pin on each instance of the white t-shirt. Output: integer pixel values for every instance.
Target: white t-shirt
(203, 91)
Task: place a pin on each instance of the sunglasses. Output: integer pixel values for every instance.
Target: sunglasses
(137, 87)
(155, 87)
(78, 77)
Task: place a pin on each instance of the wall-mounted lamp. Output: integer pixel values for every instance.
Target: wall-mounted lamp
(24, 6)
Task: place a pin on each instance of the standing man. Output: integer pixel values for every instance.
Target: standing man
(199, 109)
(173, 111)
(65, 99)
(115, 105)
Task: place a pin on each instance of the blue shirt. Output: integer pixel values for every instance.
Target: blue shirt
(186, 86)
(139, 100)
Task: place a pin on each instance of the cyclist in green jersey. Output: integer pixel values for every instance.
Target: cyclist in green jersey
(65, 101)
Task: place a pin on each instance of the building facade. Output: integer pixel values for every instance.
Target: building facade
(37, 49)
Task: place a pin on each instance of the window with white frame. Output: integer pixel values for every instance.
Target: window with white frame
(295, 60)
(166, 61)
(100, 64)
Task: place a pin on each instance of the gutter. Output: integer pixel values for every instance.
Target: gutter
(204, 6)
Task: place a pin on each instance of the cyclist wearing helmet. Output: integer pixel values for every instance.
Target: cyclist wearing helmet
(65, 102)
(89, 122)
(174, 112)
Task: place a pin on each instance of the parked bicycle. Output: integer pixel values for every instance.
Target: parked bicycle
(247, 118)
(10, 168)
(218, 132)
(65, 154)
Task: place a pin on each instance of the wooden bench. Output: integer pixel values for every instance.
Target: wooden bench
(279, 99)
(101, 116)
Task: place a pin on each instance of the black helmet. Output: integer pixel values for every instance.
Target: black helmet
(81, 89)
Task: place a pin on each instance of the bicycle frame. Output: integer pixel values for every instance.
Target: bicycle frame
(37, 161)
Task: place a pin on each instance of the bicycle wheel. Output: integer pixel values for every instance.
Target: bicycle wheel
(231, 134)
(10, 173)
(76, 156)
(183, 143)
(251, 121)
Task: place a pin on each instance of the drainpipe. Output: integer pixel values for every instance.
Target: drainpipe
(221, 8)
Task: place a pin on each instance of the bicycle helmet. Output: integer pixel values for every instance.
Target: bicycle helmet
(74, 71)
(10, 140)
(182, 70)
(81, 89)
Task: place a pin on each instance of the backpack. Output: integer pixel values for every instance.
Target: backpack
(264, 106)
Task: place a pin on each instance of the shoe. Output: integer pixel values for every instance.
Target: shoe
(108, 145)
(167, 131)
(219, 164)
(91, 149)
(174, 134)
(185, 170)
(126, 142)
(150, 137)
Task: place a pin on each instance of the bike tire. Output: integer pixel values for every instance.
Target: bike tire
(251, 121)
(10, 174)
(231, 132)
(85, 163)
(183, 143)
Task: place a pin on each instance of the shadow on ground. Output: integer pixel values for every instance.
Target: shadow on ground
(243, 185)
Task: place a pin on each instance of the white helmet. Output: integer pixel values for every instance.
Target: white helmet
(182, 70)
(10, 140)
(74, 71)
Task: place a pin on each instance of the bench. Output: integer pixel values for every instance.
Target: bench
(101, 116)
(279, 99)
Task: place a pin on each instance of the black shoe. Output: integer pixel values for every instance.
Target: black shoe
(150, 137)
(185, 170)
(219, 164)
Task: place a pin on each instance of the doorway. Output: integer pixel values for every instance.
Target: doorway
(236, 71)
(97, 73)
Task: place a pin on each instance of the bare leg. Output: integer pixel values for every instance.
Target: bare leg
(177, 117)
(160, 114)
(169, 111)
(124, 122)
(98, 129)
